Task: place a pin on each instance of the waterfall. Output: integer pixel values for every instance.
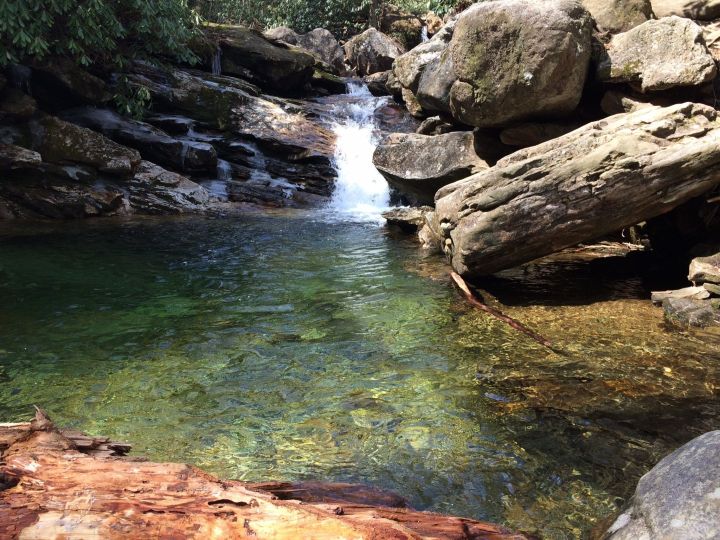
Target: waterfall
(424, 34)
(361, 193)
(216, 63)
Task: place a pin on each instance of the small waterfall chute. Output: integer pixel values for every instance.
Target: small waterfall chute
(216, 62)
(361, 193)
(424, 34)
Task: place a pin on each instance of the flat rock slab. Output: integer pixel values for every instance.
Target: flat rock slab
(58, 486)
(598, 179)
(694, 293)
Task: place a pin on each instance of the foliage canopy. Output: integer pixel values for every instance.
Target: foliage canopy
(95, 31)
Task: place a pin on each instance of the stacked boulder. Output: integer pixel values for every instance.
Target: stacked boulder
(543, 77)
(698, 305)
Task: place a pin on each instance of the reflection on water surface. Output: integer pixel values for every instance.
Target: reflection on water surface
(286, 348)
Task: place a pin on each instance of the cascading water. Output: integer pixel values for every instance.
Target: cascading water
(424, 34)
(361, 193)
(216, 64)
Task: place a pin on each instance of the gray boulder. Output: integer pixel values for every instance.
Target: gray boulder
(619, 15)
(419, 165)
(705, 269)
(319, 42)
(658, 55)
(678, 498)
(685, 312)
(704, 10)
(372, 51)
(595, 180)
(516, 59)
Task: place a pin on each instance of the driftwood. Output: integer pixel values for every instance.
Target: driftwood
(460, 282)
(68, 485)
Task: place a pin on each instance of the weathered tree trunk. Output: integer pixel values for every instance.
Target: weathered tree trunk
(593, 181)
(66, 485)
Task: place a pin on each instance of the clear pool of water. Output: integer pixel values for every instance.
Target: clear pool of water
(286, 347)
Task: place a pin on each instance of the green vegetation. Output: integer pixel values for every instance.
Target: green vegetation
(95, 31)
(342, 17)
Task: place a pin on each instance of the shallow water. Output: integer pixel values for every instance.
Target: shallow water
(282, 347)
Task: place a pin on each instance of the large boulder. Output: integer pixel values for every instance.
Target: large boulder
(401, 25)
(678, 498)
(619, 15)
(319, 42)
(372, 51)
(658, 55)
(276, 68)
(153, 144)
(516, 59)
(60, 82)
(409, 67)
(419, 165)
(704, 10)
(598, 179)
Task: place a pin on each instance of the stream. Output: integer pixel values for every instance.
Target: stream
(318, 344)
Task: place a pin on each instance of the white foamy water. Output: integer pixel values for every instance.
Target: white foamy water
(361, 193)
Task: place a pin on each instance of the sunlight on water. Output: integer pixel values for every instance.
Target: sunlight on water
(285, 348)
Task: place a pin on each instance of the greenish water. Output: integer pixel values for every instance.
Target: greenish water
(280, 347)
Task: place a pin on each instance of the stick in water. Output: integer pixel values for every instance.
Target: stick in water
(460, 282)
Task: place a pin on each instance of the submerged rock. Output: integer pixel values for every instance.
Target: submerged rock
(372, 51)
(598, 179)
(685, 312)
(419, 165)
(678, 498)
(658, 55)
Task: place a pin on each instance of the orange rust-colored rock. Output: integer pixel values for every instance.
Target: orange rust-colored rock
(57, 484)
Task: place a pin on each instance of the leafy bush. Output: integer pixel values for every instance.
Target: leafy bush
(95, 31)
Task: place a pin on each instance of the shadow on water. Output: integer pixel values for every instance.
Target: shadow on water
(290, 348)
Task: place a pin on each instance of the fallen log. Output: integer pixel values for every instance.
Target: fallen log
(598, 179)
(53, 487)
(460, 282)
